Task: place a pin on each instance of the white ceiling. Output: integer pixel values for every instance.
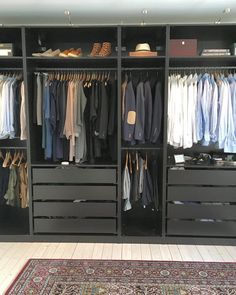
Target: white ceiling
(43, 12)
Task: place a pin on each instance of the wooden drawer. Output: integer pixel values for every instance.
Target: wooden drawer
(78, 209)
(74, 192)
(73, 175)
(202, 177)
(86, 226)
(204, 194)
(200, 228)
(190, 211)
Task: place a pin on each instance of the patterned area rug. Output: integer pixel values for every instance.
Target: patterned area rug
(103, 277)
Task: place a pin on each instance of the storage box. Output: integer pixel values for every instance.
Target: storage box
(183, 47)
(143, 53)
(6, 49)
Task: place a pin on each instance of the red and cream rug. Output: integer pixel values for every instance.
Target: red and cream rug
(104, 277)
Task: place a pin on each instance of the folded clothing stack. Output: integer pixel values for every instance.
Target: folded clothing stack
(216, 52)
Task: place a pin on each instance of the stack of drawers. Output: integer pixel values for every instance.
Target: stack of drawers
(77, 200)
(201, 203)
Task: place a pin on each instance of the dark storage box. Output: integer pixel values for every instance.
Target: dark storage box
(183, 47)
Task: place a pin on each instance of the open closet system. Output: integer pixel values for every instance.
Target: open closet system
(122, 183)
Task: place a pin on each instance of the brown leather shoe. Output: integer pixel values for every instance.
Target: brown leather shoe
(75, 53)
(66, 52)
(106, 49)
(96, 49)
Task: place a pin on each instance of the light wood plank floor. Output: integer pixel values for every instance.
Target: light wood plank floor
(14, 255)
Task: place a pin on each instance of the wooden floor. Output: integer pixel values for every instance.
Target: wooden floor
(14, 255)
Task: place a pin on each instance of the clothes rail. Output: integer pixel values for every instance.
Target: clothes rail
(11, 69)
(140, 148)
(13, 148)
(75, 69)
(140, 69)
(202, 68)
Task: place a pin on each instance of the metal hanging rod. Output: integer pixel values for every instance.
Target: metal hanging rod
(201, 68)
(11, 69)
(134, 148)
(12, 148)
(142, 69)
(75, 69)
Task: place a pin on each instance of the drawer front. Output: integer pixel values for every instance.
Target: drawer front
(190, 211)
(202, 177)
(199, 228)
(73, 192)
(86, 226)
(204, 194)
(73, 175)
(78, 209)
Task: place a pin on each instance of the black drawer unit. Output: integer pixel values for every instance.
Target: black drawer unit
(201, 203)
(74, 200)
(74, 192)
(197, 211)
(76, 226)
(201, 228)
(201, 194)
(201, 177)
(78, 209)
(73, 175)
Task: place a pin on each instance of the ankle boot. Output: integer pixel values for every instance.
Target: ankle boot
(96, 49)
(106, 49)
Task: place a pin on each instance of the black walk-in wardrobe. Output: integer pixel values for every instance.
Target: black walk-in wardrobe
(83, 201)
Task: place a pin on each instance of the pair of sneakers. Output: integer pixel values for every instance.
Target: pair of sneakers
(71, 52)
(47, 53)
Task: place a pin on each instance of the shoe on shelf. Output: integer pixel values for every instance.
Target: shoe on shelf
(96, 49)
(105, 50)
(66, 52)
(38, 54)
(52, 54)
(75, 53)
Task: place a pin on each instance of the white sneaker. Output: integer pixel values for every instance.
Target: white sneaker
(52, 54)
(42, 54)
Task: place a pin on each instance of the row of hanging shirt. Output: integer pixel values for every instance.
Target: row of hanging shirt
(78, 117)
(12, 107)
(139, 181)
(202, 109)
(13, 179)
(142, 110)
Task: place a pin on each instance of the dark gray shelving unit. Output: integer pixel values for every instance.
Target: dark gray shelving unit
(83, 202)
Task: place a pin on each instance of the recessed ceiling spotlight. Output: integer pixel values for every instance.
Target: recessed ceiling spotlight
(227, 10)
(67, 12)
(218, 21)
(143, 23)
(144, 11)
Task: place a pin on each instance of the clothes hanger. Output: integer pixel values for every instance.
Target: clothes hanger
(15, 158)
(21, 158)
(146, 164)
(1, 155)
(126, 159)
(7, 159)
(130, 164)
(137, 164)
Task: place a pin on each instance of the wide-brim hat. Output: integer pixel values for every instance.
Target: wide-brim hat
(142, 47)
